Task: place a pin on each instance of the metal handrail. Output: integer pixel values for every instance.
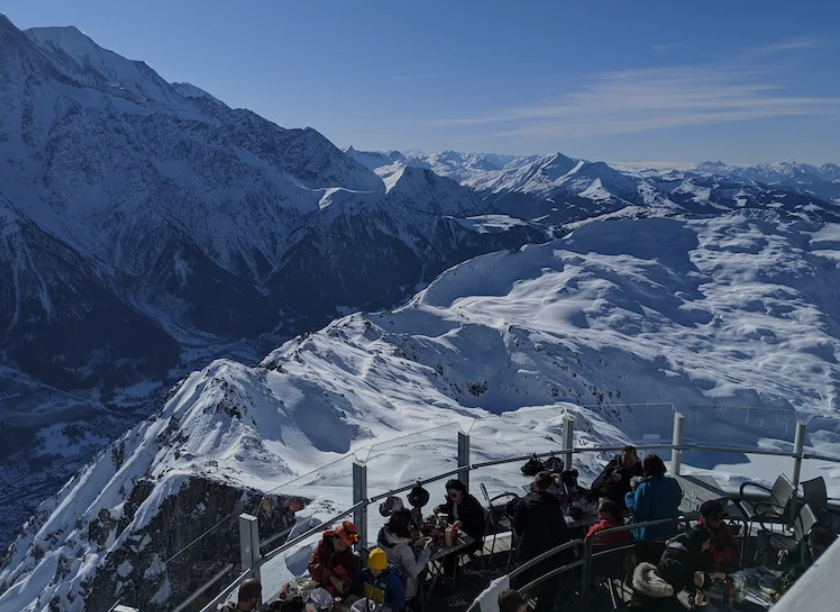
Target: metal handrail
(310, 532)
(588, 556)
(546, 555)
(457, 470)
(742, 451)
(204, 587)
(578, 545)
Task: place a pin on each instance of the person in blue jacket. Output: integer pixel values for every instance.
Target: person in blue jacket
(657, 497)
(381, 583)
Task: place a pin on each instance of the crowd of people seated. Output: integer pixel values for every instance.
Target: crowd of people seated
(628, 491)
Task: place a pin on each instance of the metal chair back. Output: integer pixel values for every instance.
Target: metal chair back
(815, 493)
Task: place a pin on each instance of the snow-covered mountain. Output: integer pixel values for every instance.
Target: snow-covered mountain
(147, 228)
(559, 189)
(739, 309)
(821, 181)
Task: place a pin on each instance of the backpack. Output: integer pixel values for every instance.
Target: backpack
(533, 467)
(512, 506)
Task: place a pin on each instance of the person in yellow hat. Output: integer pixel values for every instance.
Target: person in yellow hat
(380, 582)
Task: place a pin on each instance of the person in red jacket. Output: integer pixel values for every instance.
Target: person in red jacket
(611, 516)
(722, 555)
(333, 564)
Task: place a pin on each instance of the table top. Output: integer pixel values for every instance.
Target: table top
(755, 598)
(439, 552)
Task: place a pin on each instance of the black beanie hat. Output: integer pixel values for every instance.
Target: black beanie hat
(711, 508)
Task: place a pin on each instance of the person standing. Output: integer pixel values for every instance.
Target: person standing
(541, 526)
(614, 480)
(658, 497)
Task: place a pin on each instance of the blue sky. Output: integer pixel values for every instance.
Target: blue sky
(742, 81)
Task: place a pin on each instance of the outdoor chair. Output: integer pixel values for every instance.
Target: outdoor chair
(497, 520)
(771, 511)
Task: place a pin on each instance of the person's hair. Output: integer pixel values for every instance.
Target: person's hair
(543, 480)
(293, 604)
(697, 535)
(654, 466)
(400, 522)
(608, 505)
(510, 601)
(629, 449)
(456, 485)
(250, 589)
(822, 536)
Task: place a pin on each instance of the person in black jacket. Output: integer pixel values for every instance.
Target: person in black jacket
(541, 526)
(682, 563)
(614, 480)
(465, 508)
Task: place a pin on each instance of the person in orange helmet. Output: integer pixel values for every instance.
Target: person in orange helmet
(333, 565)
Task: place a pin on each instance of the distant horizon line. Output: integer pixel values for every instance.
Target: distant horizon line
(654, 163)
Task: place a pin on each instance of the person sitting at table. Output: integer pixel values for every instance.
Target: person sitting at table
(396, 540)
(819, 540)
(658, 497)
(333, 564)
(723, 554)
(249, 597)
(683, 562)
(465, 508)
(541, 526)
(511, 600)
(655, 587)
(611, 517)
(379, 582)
(614, 480)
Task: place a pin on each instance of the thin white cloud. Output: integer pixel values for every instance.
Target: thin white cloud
(634, 101)
(667, 46)
(790, 45)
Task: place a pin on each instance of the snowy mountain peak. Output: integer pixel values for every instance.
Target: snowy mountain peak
(93, 66)
(188, 90)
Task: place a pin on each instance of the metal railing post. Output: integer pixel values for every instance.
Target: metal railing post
(799, 452)
(677, 442)
(464, 458)
(360, 495)
(568, 441)
(249, 544)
